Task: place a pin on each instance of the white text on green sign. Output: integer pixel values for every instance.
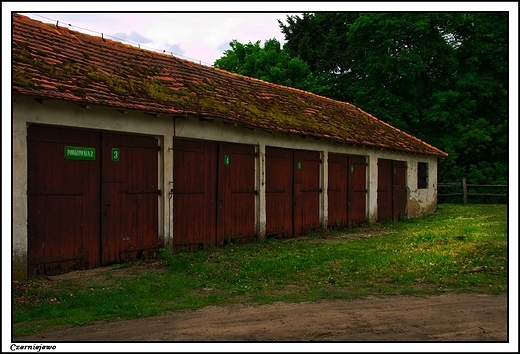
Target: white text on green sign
(80, 153)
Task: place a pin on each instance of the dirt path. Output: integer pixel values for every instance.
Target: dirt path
(450, 317)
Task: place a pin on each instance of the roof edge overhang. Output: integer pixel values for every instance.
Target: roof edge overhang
(85, 104)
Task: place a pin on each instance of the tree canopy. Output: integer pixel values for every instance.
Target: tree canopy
(442, 77)
(269, 63)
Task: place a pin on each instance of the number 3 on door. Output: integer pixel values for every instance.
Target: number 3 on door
(115, 154)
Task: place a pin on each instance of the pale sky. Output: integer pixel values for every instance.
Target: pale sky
(200, 37)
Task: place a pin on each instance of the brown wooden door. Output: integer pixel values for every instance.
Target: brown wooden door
(129, 197)
(236, 193)
(399, 189)
(337, 191)
(391, 190)
(213, 193)
(306, 191)
(357, 189)
(63, 201)
(92, 198)
(384, 190)
(347, 190)
(279, 192)
(194, 193)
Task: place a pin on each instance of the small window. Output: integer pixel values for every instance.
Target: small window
(422, 175)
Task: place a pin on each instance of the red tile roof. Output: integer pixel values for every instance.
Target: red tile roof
(51, 62)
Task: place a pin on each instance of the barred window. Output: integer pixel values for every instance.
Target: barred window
(422, 175)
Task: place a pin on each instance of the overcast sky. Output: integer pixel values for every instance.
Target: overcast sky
(200, 37)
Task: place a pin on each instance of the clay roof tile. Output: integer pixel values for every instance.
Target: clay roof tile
(55, 62)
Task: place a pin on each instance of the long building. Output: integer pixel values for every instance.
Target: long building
(118, 151)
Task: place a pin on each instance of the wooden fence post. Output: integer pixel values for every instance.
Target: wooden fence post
(464, 191)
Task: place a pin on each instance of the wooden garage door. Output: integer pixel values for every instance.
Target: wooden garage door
(214, 193)
(236, 193)
(92, 198)
(346, 190)
(63, 200)
(357, 189)
(194, 193)
(129, 197)
(384, 190)
(279, 192)
(337, 190)
(306, 191)
(391, 189)
(399, 189)
(292, 191)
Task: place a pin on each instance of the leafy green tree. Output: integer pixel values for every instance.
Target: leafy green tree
(269, 63)
(482, 84)
(439, 76)
(320, 39)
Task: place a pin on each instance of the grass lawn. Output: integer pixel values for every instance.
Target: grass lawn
(460, 248)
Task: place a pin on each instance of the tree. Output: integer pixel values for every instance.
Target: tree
(439, 76)
(271, 63)
(482, 84)
(320, 40)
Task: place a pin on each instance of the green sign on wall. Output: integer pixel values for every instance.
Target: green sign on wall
(115, 155)
(80, 153)
(227, 160)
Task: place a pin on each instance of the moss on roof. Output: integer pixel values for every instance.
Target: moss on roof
(54, 62)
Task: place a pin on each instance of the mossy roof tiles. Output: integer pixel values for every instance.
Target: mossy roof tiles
(53, 62)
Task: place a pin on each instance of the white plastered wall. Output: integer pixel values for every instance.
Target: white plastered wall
(165, 127)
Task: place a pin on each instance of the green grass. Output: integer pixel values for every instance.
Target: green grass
(460, 248)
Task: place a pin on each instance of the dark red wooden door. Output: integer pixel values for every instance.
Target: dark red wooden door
(347, 190)
(194, 193)
(384, 190)
(399, 189)
(337, 190)
(279, 192)
(306, 191)
(63, 201)
(129, 197)
(236, 193)
(213, 193)
(357, 189)
(92, 198)
(391, 190)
